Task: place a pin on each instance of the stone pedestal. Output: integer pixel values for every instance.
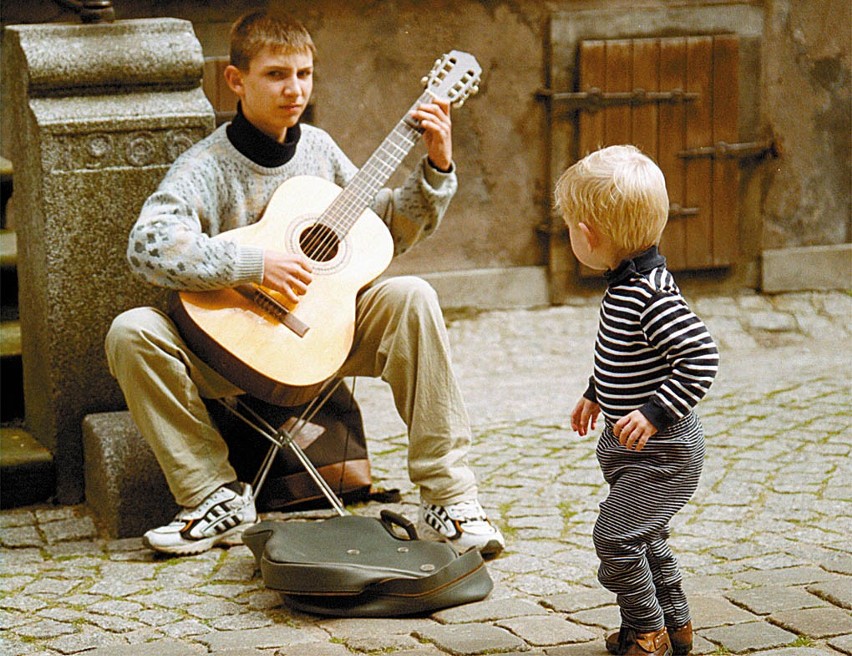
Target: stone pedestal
(99, 114)
(125, 486)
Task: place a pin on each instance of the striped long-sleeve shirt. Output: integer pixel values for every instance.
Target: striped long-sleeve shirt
(652, 352)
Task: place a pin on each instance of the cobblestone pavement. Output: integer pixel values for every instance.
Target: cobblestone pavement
(764, 544)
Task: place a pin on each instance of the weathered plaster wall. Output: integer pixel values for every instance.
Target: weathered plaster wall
(807, 90)
(371, 58)
(372, 53)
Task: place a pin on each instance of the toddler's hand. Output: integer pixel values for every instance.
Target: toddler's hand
(634, 430)
(585, 414)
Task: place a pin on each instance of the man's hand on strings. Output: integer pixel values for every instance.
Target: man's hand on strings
(434, 118)
(286, 273)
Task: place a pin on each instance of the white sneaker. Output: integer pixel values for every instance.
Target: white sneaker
(220, 518)
(464, 525)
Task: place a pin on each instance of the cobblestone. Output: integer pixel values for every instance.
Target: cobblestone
(763, 545)
(749, 636)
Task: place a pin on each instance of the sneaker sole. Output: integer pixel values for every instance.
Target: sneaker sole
(489, 550)
(235, 539)
(202, 545)
(492, 549)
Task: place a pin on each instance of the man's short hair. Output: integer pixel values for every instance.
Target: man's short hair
(257, 30)
(619, 191)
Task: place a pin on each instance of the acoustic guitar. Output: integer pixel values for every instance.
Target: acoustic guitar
(281, 352)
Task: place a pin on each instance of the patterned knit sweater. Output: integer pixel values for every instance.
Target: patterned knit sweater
(652, 352)
(212, 187)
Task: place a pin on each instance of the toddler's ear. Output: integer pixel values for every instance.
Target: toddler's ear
(589, 235)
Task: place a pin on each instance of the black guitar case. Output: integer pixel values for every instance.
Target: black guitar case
(352, 566)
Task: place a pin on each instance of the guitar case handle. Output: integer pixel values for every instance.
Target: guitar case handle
(390, 520)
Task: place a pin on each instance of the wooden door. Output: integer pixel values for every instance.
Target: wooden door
(674, 98)
(217, 90)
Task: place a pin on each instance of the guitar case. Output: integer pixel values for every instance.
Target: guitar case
(353, 566)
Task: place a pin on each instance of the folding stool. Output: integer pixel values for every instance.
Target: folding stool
(285, 436)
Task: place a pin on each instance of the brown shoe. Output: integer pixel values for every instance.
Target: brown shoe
(628, 642)
(681, 639)
(613, 642)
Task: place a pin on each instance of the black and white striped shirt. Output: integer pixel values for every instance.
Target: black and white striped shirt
(652, 352)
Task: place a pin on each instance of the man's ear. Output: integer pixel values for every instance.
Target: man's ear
(234, 78)
(589, 235)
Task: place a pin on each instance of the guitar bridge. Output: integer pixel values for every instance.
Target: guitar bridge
(269, 304)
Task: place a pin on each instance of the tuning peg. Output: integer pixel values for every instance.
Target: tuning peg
(424, 80)
(474, 90)
(460, 103)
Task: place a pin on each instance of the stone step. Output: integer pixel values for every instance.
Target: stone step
(6, 185)
(125, 487)
(10, 339)
(8, 249)
(27, 474)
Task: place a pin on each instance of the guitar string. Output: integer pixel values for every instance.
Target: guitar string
(370, 178)
(351, 202)
(322, 242)
(359, 197)
(348, 206)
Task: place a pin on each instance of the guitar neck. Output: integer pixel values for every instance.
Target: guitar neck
(360, 192)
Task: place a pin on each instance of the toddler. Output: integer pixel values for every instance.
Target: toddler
(654, 360)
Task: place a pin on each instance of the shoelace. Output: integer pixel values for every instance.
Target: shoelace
(208, 503)
(467, 510)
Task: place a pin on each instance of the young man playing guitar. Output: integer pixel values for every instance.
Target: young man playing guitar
(225, 182)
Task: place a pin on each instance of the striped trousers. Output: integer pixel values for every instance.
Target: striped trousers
(646, 489)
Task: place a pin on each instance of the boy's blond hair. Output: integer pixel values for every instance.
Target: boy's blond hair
(618, 191)
(257, 30)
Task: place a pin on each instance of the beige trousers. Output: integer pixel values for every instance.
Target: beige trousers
(399, 336)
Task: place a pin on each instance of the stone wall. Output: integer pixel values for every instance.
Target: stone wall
(807, 103)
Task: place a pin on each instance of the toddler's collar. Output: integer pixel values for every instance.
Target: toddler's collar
(644, 262)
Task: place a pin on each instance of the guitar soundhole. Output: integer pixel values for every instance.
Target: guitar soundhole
(319, 243)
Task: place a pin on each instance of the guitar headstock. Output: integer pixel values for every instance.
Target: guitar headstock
(454, 77)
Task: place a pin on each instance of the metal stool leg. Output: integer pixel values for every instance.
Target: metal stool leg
(282, 436)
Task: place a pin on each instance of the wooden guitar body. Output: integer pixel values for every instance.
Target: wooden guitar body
(256, 350)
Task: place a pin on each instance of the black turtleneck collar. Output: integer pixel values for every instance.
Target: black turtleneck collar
(646, 261)
(259, 147)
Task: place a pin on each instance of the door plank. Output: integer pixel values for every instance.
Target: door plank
(672, 139)
(699, 173)
(592, 67)
(646, 76)
(619, 60)
(726, 177)
(707, 66)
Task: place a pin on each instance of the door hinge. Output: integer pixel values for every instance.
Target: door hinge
(676, 211)
(743, 150)
(594, 99)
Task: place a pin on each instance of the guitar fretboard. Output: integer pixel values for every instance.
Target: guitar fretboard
(358, 195)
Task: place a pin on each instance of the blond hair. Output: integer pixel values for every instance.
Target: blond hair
(257, 30)
(620, 192)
